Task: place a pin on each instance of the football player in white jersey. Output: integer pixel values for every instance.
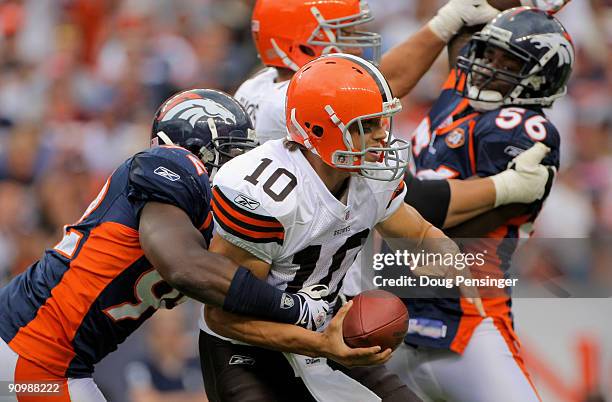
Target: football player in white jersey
(288, 34)
(296, 212)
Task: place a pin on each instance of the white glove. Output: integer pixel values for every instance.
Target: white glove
(313, 308)
(525, 180)
(457, 13)
(550, 6)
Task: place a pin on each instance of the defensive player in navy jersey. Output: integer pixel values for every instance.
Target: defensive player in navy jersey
(490, 111)
(141, 245)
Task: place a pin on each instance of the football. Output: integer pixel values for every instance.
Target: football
(377, 318)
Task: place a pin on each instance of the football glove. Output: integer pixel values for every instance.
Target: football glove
(457, 13)
(550, 6)
(525, 180)
(313, 307)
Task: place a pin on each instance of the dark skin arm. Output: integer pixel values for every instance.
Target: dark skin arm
(488, 221)
(284, 337)
(468, 222)
(178, 251)
(483, 224)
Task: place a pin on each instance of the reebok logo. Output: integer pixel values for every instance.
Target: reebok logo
(166, 173)
(513, 151)
(241, 360)
(246, 202)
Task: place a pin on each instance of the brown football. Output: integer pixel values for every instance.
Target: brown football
(377, 318)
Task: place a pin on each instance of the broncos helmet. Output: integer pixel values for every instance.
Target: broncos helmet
(536, 40)
(209, 123)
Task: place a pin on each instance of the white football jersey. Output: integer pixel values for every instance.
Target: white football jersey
(264, 100)
(272, 203)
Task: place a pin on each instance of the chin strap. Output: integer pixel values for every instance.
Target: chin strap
(164, 137)
(283, 56)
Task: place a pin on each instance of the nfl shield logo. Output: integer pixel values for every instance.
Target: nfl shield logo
(455, 138)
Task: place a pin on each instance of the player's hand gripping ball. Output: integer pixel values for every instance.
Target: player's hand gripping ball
(377, 318)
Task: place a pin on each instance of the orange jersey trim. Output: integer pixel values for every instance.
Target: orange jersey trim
(451, 81)
(225, 220)
(28, 372)
(398, 190)
(512, 341)
(207, 221)
(241, 215)
(472, 156)
(456, 123)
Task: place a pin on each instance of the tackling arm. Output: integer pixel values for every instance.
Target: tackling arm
(178, 251)
(284, 337)
(457, 201)
(446, 203)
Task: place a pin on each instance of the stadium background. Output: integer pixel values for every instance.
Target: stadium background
(80, 80)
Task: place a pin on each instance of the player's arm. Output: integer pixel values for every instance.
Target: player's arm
(405, 228)
(405, 64)
(282, 337)
(169, 212)
(492, 143)
(421, 49)
(464, 34)
(447, 203)
(178, 251)
(292, 339)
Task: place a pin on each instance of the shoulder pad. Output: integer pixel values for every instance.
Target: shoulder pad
(502, 134)
(170, 175)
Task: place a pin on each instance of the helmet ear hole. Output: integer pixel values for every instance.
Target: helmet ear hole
(317, 130)
(307, 50)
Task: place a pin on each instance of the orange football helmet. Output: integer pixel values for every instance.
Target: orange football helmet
(290, 33)
(329, 95)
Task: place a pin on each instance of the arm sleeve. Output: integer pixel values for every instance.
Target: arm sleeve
(430, 197)
(155, 176)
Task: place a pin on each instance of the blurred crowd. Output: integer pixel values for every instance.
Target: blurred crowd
(80, 81)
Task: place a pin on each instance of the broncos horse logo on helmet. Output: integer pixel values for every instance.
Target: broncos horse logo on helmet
(208, 123)
(194, 109)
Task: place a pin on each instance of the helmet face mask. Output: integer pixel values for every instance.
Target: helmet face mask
(210, 124)
(332, 102)
(228, 147)
(340, 36)
(389, 155)
(291, 33)
(521, 35)
(486, 80)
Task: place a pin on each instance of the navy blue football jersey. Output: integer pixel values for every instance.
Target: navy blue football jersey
(455, 141)
(95, 287)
